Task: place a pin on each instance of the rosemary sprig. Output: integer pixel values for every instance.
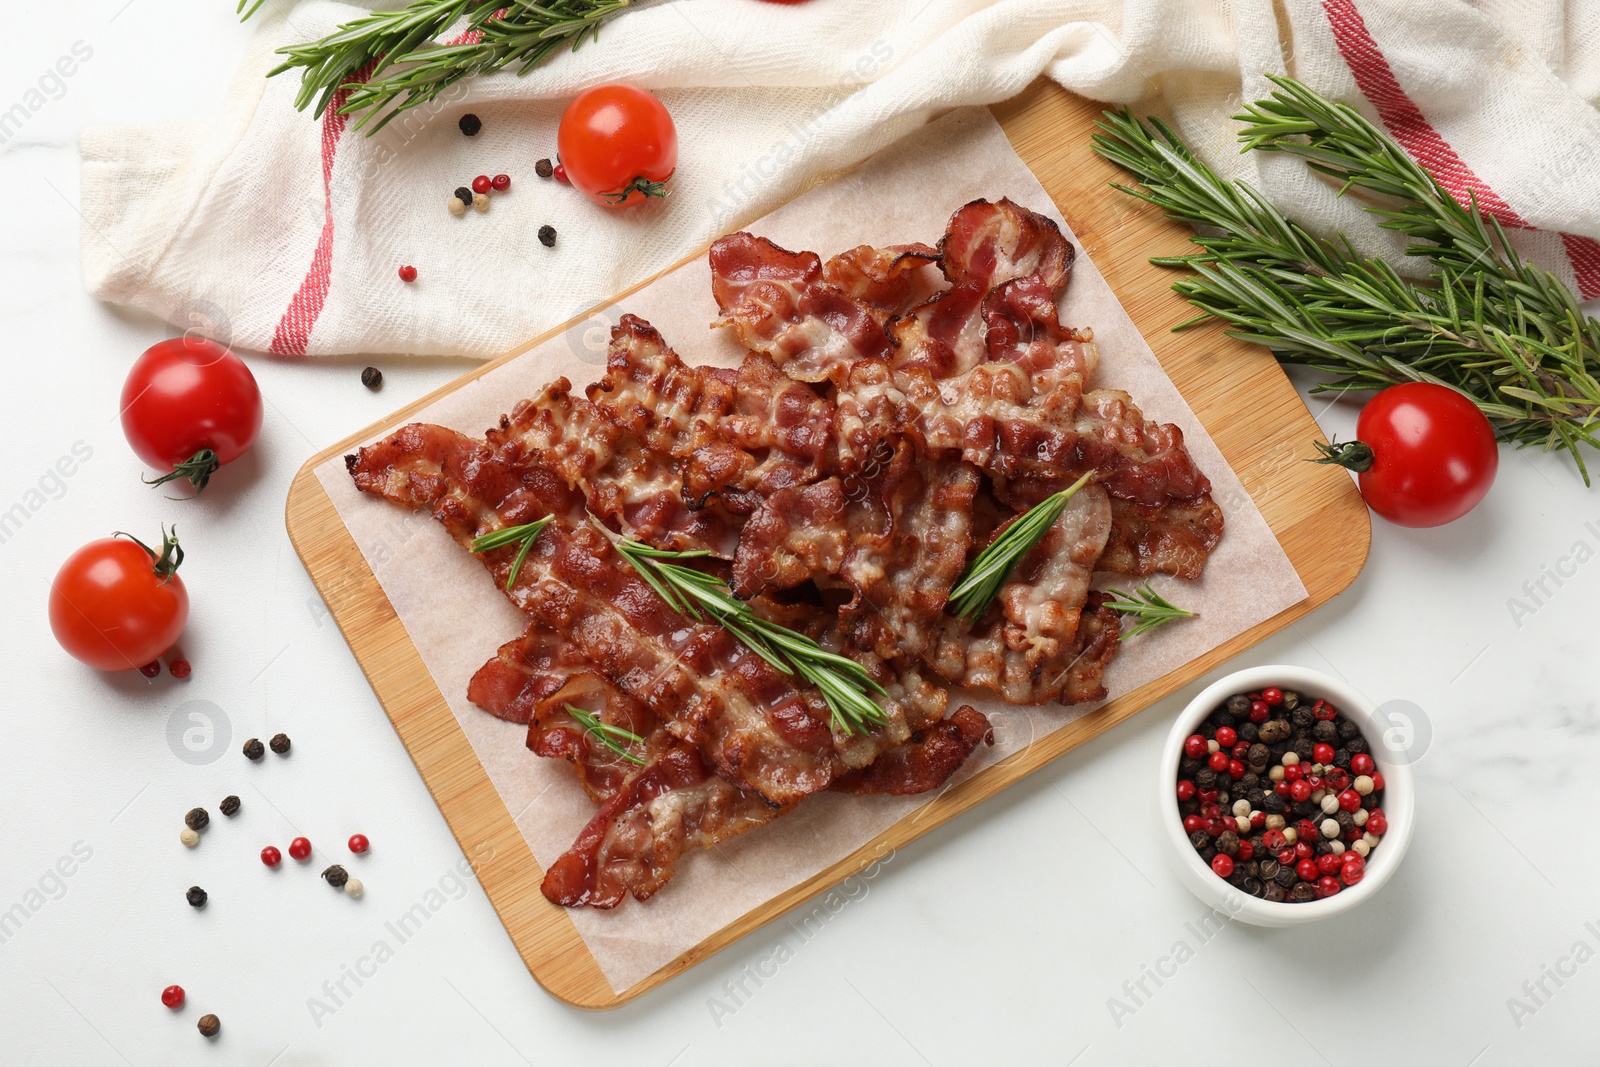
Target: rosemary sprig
(409, 67)
(608, 735)
(526, 534)
(1150, 607)
(980, 583)
(1503, 331)
(843, 682)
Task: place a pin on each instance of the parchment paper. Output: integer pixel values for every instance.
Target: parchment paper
(457, 618)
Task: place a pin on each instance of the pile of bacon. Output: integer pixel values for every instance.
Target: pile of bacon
(897, 408)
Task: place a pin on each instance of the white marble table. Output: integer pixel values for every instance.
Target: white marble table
(1029, 925)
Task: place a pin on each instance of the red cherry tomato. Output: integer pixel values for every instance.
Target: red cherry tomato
(116, 605)
(188, 407)
(1425, 455)
(618, 145)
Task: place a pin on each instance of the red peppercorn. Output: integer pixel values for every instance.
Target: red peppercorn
(1377, 781)
(1349, 800)
(560, 174)
(1361, 763)
(1191, 823)
(1377, 824)
(1293, 773)
(1218, 761)
(1351, 873)
(1207, 796)
(1258, 819)
(1322, 753)
(1272, 695)
(1273, 840)
(359, 842)
(1185, 792)
(1287, 857)
(408, 273)
(1235, 769)
(1227, 736)
(482, 184)
(1210, 809)
(1314, 781)
(501, 182)
(1337, 778)
(1216, 825)
(1246, 852)
(1300, 790)
(271, 856)
(1281, 788)
(299, 848)
(1222, 863)
(1307, 831)
(1324, 711)
(173, 996)
(1328, 863)
(1195, 746)
(1327, 886)
(1303, 850)
(1307, 870)
(180, 668)
(1259, 711)
(151, 669)
(1240, 751)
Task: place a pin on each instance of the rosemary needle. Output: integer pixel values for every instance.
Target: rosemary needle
(608, 735)
(1151, 608)
(527, 534)
(980, 583)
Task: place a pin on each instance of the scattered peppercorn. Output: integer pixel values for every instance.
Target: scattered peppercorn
(470, 124)
(480, 202)
(359, 843)
(372, 377)
(271, 856)
(230, 805)
(173, 996)
(336, 876)
(543, 168)
(464, 195)
(151, 669)
(501, 182)
(1266, 761)
(196, 819)
(179, 668)
(408, 273)
(189, 837)
(547, 236)
(280, 744)
(561, 174)
(455, 206)
(254, 749)
(353, 888)
(300, 848)
(209, 1025)
(196, 897)
(482, 184)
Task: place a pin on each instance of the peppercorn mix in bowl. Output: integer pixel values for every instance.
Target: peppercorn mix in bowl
(1282, 804)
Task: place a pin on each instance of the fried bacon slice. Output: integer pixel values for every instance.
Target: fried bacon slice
(926, 761)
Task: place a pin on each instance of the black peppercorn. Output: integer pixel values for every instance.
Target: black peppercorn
(1348, 729)
(1286, 877)
(209, 1025)
(1303, 747)
(230, 805)
(1205, 778)
(1228, 842)
(1200, 840)
(196, 819)
(1255, 887)
(1239, 704)
(1275, 893)
(1370, 801)
(1268, 869)
(1255, 797)
(1189, 766)
(1303, 893)
(196, 897)
(1345, 820)
(1225, 718)
(1356, 745)
(547, 236)
(543, 168)
(1188, 807)
(1236, 879)
(470, 124)
(372, 378)
(336, 876)
(1258, 757)
(1302, 718)
(464, 195)
(1248, 731)
(1325, 730)
(1273, 803)
(1208, 854)
(1291, 700)
(254, 749)
(280, 744)
(1273, 731)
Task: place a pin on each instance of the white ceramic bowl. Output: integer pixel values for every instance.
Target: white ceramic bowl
(1399, 800)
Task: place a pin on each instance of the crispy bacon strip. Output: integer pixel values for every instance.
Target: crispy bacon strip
(882, 278)
(924, 762)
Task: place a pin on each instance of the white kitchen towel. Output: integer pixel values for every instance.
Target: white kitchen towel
(284, 233)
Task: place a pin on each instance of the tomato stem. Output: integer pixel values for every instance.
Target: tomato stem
(640, 184)
(1351, 455)
(171, 557)
(198, 469)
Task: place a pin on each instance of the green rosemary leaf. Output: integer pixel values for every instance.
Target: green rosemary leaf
(842, 681)
(980, 583)
(1150, 607)
(608, 735)
(526, 535)
(1502, 330)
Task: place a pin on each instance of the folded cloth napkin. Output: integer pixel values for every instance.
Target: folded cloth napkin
(284, 233)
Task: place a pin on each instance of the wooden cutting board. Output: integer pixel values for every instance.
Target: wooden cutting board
(1238, 391)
